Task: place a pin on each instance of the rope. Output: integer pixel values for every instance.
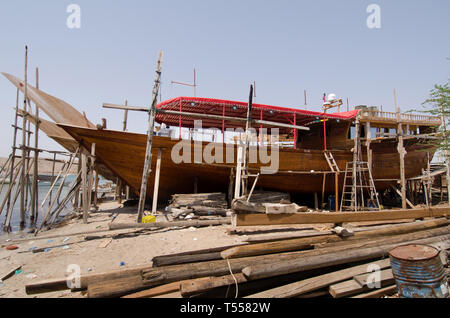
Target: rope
(235, 280)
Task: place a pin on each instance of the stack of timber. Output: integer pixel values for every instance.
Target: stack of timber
(198, 205)
(326, 265)
(266, 202)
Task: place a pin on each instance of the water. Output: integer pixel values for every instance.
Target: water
(43, 188)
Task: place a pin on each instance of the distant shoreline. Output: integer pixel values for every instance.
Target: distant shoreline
(45, 166)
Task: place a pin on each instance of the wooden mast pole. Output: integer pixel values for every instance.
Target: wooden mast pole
(24, 152)
(13, 155)
(401, 151)
(247, 143)
(148, 151)
(34, 192)
(124, 128)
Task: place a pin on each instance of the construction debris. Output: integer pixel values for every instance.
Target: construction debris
(285, 268)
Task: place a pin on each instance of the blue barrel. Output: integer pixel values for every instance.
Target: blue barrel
(332, 202)
(418, 272)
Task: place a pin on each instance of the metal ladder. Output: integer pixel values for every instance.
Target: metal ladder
(361, 183)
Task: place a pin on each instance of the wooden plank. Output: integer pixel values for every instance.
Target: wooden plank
(117, 226)
(8, 272)
(170, 295)
(366, 251)
(204, 284)
(105, 243)
(305, 243)
(156, 184)
(156, 291)
(318, 282)
(313, 218)
(353, 286)
(364, 279)
(386, 291)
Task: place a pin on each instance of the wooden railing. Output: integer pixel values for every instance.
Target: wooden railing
(391, 116)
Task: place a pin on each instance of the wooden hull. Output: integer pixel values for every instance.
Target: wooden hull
(300, 171)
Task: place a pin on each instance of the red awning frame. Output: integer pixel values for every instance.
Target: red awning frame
(238, 109)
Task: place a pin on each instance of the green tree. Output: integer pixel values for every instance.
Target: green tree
(438, 104)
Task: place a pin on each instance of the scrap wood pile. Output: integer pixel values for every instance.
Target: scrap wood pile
(204, 205)
(266, 202)
(198, 205)
(328, 264)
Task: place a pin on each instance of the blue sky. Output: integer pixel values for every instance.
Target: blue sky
(285, 46)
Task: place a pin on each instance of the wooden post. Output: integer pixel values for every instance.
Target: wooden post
(237, 183)
(91, 175)
(13, 154)
(323, 190)
(247, 143)
(119, 191)
(96, 189)
(124, 128)
(195, 184)
(336, 183)
(368, 141)
(84, 188)
(156, 184)
(125, 117)
(429, 183)
(148, 151)
(77, 191)
(356, 158)
(316, 201)
(230, 187)
(402, 152)
(35, 192)
(24, 152)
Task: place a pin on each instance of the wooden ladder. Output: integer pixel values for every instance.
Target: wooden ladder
(331, 162)
(361, 183)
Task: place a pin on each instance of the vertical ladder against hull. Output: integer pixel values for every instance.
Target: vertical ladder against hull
(361, 184)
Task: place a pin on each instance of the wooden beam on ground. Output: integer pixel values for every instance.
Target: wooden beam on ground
(301, 263)
(168, 274)
(156, 291)
(117, 226)
(318, 282)
(359, 284)
(205, 284)
(318, 217)
(307, 242)
(378, 293)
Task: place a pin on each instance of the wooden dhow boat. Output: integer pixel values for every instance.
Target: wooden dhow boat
(303, 154)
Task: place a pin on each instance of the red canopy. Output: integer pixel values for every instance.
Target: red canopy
(229, 108)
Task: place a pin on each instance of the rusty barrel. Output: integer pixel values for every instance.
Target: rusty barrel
(418, 272)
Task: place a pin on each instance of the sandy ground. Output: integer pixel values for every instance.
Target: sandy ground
(68, 249)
